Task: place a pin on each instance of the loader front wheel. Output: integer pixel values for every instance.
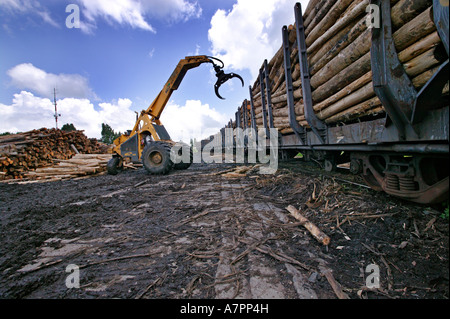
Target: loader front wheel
(156, 158)
(114, 165)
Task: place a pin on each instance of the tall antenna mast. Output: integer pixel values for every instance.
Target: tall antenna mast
(56, 109)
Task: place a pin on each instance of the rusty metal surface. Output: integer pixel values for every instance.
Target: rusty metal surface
(420, 178)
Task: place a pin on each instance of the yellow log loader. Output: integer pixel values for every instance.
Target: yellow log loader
(148, 142)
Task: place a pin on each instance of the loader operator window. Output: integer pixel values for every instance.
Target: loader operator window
(147, 139)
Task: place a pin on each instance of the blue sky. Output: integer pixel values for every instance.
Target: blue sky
(122, 55)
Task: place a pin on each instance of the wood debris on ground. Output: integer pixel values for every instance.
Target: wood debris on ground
(239, 171)
(318, 234)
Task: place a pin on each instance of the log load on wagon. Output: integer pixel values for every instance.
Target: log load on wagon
(364, 82)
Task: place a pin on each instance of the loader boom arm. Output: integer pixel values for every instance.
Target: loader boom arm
(157, 107)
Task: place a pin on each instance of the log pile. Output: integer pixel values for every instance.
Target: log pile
(20, 153)
(78, 166)
(338, 47)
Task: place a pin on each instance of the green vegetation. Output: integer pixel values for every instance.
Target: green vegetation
(108, 134)
(68, 127)
(194, 143)
(445, 214)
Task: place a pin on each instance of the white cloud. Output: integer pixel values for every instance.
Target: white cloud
(25, 113)
(28, 6)
(118, 115)
(134, 12)
(16, 5)
(151, 53)
(45, 15)
(29, 112)
(258, 24)
(128, 12)
(192, 120)
(197, 50)
(26, 76)
(172, 10)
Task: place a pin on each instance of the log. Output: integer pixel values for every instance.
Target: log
(414, 67)
(313, 42)
(414, 30)
(405, 10)
(421, 79)
(279, 81)
(351, 73)
(356, 97)
(419, 47)
(337, 288)
(321, 14)
(332, 47)
(354, 111)
(275, 61)
(92, 156)
(74, 149)
(284, 111)
(277, 98)
(350, 54)
(347, 56)
(313, 229)
(296, 72)
(286, 131)
(366, 78)
(421, 63)
(311, 10)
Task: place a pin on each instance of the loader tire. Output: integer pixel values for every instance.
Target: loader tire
(179, 165)
(114, 165)
(156, 158)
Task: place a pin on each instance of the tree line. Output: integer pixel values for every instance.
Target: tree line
(108, 134)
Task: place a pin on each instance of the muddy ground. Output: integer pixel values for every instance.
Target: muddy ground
(194, 234)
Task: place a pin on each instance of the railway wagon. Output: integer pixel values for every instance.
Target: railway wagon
(365, 83)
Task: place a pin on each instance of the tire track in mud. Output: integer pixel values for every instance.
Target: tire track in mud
(263, 279)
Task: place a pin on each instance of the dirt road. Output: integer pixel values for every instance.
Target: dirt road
(196, 234)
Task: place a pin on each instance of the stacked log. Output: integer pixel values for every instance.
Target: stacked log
(78, 166)
(20, 153)
(245, 114)
(338, 47)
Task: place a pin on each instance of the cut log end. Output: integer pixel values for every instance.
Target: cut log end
(318, 234)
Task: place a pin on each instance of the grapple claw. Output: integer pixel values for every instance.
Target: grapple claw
(222, 77)
(234, 75)
(216, 89)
